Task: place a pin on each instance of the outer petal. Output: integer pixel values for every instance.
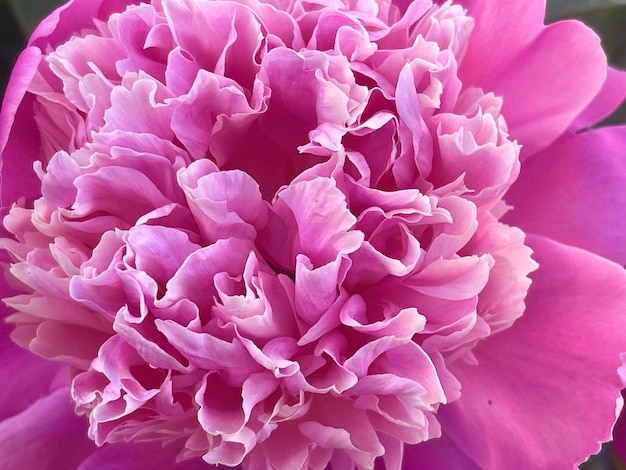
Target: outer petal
(73, 16)
(610, 97)
(573, 192)
(139, 456)
(18, 143)
(50, 436)
(46, 436)
(546, 75)
(528, 399)
(18, 135)
(24, 377)
(437, 454)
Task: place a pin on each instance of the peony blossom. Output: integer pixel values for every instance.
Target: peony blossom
(311, 234)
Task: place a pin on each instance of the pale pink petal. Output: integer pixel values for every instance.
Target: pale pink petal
(314, 217)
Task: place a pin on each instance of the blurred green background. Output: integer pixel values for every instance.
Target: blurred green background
(607, 17)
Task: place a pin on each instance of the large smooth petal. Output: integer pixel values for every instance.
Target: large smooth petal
(527, 402)
(573, 192)
(50, 436)
(437, 454)
(139, 456)
(25, 378)
(46, 436)
(546, 75)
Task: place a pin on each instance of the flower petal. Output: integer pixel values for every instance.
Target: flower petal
(533, 382)
(139, 456)
(46, 436)
(610, 97)
(436, 454)
(573, 192)
(19, 144)
(546, 75)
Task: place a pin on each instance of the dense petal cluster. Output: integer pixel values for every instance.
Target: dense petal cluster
(260, 222)
(262, 225)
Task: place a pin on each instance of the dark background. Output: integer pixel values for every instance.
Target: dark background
(607, 17)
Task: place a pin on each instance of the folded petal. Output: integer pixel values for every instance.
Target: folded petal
(606, 101)
(19, 144)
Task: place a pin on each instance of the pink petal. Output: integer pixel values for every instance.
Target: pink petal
(573, 192)
(314, 216)
(533, 382)
(546, 75)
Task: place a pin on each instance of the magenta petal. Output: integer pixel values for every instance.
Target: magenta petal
(437, 454)
(533, 382)
(610, 97)
(46, 436)
(573, 192)
(24, 377)
(19, 143)
(21, 389)
(139, 456)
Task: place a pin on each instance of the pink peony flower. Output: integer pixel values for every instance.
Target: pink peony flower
(302, 235)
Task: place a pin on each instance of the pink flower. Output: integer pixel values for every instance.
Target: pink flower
(302, 234)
